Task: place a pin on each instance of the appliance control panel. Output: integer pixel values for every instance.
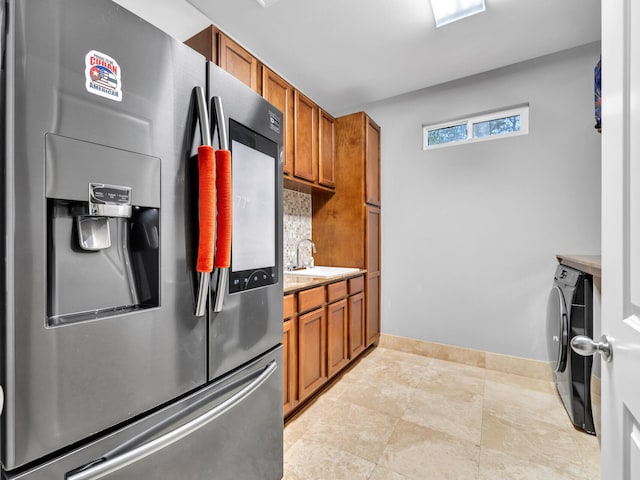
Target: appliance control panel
(109, 200)
(247, 280)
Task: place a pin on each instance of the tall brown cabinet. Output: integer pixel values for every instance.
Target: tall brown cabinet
(346, 224)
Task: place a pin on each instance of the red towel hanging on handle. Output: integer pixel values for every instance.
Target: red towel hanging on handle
(207, 221)
(225, 204)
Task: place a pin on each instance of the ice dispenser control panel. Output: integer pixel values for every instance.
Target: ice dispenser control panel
(109, 200)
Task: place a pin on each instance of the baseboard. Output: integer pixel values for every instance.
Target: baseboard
(525, 367)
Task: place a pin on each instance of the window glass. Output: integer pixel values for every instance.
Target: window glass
(498, 126)
(447, 134)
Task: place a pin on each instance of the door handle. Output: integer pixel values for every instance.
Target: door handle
(206, 175)
(586, 347)
(224, 192)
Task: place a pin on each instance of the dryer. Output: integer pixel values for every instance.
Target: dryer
(570, 313)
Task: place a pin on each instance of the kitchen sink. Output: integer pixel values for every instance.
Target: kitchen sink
(324, 272)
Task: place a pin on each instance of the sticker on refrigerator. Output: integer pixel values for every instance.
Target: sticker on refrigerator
(102, 75)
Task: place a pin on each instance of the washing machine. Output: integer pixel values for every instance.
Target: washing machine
(570, 313)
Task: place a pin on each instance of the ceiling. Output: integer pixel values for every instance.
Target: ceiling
(347, 53)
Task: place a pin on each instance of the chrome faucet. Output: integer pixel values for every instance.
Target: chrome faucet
(313, 249)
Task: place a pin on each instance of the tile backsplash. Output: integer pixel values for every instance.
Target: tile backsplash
(297, 223)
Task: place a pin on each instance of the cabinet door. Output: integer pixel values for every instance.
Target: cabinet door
(290, 364)
(372, 330)
(372, 247)
(305, 161)
(356, 325)
(326, 150)
(372, 160)
(280, 93)
(372, 239)
(337, 336)
(238, 62)
(312, 352)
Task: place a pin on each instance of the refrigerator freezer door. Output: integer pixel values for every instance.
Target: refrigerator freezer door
(229, 430)
(250, 320)
(116, 93)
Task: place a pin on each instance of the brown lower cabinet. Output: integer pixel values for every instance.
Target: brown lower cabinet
(312, 352)
(337, 337)
(324, 329)
(290, 353)
(357, 342)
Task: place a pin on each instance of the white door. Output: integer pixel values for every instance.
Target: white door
(621, 238)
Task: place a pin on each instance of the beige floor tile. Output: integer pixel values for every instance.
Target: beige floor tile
(445, 367)
(543, 386)
(495, 465)
(393, 399)
(382, 473)
(588, 451)
(354, 429)
(460, 417)
(522, 405)
(390, 368)
(539, 443)
(297, 427)
(312, 460)
(422, 453)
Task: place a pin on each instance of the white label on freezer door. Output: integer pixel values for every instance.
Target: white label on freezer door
(102, 75)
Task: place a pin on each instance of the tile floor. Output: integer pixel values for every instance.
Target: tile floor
(399, 416)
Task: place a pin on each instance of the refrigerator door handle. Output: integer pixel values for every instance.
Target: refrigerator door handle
(105, 466)
(224, 191)
(207, 212)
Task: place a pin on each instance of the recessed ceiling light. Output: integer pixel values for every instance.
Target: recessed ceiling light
(447, 11)
(267, 3)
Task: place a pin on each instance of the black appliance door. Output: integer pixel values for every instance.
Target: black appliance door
(95, 96)
(557, 330)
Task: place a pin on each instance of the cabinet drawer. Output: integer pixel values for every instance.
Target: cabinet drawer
(336, 291)
(311, 298)
(289, 306)
(356, 285)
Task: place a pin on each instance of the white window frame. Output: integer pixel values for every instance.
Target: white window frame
(522, 110)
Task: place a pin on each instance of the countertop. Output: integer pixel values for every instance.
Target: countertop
(585, 263)
(294, 283)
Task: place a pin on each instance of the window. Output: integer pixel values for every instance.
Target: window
(498, 124)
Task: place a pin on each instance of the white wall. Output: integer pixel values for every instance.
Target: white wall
(470, 232)
(177, 18)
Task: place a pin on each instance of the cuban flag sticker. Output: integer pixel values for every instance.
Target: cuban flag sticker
(103, 76)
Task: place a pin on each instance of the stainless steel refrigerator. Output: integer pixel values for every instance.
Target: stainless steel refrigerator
(118, 359)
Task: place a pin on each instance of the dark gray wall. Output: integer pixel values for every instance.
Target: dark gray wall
(470, 232)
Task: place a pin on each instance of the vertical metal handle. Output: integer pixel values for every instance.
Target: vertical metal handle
(223, 139)
(205, 133)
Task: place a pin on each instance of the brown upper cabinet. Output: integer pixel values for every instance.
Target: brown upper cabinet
(305, 157)
(238, 62)
(372, 159)
(326, 149)
(280, 93)
(228, 55)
